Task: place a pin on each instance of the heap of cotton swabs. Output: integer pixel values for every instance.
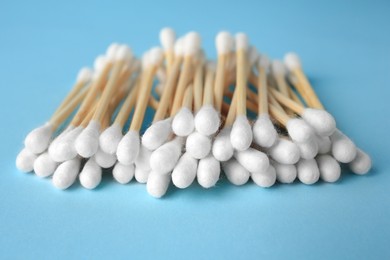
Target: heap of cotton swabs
(242, 115)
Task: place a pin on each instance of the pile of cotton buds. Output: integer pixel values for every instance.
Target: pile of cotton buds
(243, 115)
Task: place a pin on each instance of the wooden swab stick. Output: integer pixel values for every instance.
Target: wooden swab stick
(208, 96)
(262, 87)
(191, 46)
(188, 97)
(198, 85)
(304, 88)
(287, 102)
(241, 81)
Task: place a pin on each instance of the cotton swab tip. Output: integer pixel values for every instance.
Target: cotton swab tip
(167, 38)
(292, 61)
(224, 42)
(85, 74)
(38, 139)
(242, 41)
(44, 165)
(91, 175)
(278, 68)
(361, 164)
(241, 135)
(207, 120)
(123, 173)
(110, 138)
(25, 160)
(192, 43)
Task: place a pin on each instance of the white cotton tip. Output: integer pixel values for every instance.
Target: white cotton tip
(87, 143)
(208, 171)
(66, 173)
(299, 130)
(123, 174)
(308, 149)
(324, 144)
(192, 42)
(155, 56)
(241, 135)
(277, 68)
(361, 164)
(263, 61)
(157, 184)
(164, 159)
(321, 121)
(38, 139)
(179, 47)
(44, 165)
(128, 148)
(112, 50)
(141, 175)
(84, 75)
(183, 122)
(167, 38)
(99, 64)
(122, 53)
(285, 173)
(198, 145)
(157, 134)
(143, 158)
(235, 172)
(253, 56)
(308, 172)
(222, 147)
(145, 60)
(284, 151)
(25, 160)
(184, 173)
(330, 169)
(252, 160)
(292, 61)
(343, 149)
(103, 159)
(91, 175)
(110, 138)
(264, 132)
(63, 148)
(242, 41)
(207, 120)
(265, 179)
(224, 42)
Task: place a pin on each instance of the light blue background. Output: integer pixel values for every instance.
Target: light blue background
(345, 48)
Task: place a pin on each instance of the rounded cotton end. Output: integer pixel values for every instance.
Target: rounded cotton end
(99, 63)
(128, 148)
(324, 144)
(84, 75)
(292, 61)
(143, 158)
(87, 143)
(308, 172)
(38, 139)
(252, 160)
(235, 172)
(284, 151)
(63, 147)
(192, 42)
(207, 120)
(184, 173)
(208, 172)
(164, 159)
(361, 164)
(241, 41)
(103, 159)
(112, 50)
(123, 174)
(264, 133)
(155, 56)
(330, 169)
(222, 148)
(299, 130)
(241, 135)
(285, 173)
(321, 121)
(308, 149)
(141, 175)
(263, 61)
(157, 134)
(198, 145)
(265, 179)
(343, 149)
(179, 47)
(44, 165)
(253, 56)
(110, 138)
(25, 160)
(91, 175)
(66, 173)
(157, 184)
(224, 42)
(277, 68)
(183, 122)
(167, 38)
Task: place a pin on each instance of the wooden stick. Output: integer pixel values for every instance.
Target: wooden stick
(274, 102)
(168, 91)
(287, 102)
(295, 97)
(198, 86)
(231, 116)
(96, 87)
(185, 77)
(241, 81)
(262, 90)
(153, 103)
(220, 79)
(143, 97)
(208, 95)
(279, 114)
(188, 97)
(306, 90)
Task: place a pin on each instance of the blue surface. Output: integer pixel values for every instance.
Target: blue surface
(345, 48)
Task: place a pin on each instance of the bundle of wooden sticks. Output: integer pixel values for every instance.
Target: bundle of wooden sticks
(242, 115)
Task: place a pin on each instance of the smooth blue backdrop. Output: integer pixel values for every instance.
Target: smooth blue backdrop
(345, 48)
